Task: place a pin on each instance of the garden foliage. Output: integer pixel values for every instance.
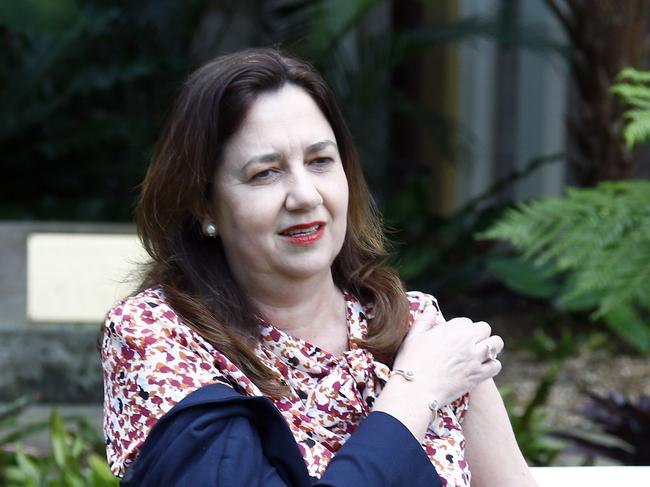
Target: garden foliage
(75, 460)
(531, 425)
(623, 419)
(85, 87)
(590, 250)
(597, 240)
(632, 87)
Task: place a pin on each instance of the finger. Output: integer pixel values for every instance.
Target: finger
(483, 330)
(494, 342)
(489, 348)
(460, 321)
(483, 352)
(492, 368)
(497, 343)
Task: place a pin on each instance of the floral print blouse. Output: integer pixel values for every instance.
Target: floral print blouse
(151, 361)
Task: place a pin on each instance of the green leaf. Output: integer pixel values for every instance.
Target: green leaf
(333, 19)
(15, 477)
(523, 277)
(27, 467)
(624, 321)
(415, 261)
(73, 479)
(58, 439)
(633, 89)
(634, 75)
(595, 240)
(76, 449)
(100, 470)
(570, 300)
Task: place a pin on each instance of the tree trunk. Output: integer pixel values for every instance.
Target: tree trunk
(605, 36)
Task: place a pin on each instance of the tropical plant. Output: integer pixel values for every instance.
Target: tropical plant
(590, 250)
(83, 92)
(76, 457)
(438, 253)
(530, 423)
(76, 76)
(595, 151)
(624, 420)
(632, 87)
(597, 242)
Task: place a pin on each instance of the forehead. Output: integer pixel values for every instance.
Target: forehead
(282, 120)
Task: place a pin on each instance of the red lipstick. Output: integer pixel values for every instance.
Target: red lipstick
(304, 234)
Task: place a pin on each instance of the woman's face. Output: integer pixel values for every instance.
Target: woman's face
(281, 195)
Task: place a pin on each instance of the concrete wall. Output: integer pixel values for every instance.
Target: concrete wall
(55, 362)
(541, 101)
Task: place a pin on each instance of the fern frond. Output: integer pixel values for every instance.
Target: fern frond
(633, 75)
(633, 89)
(637, 128)
(630, 93)
(598, 237)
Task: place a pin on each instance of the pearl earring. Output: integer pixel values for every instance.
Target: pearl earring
(211, 230)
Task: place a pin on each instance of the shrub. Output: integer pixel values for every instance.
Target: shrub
(73, 461)
(591, 248)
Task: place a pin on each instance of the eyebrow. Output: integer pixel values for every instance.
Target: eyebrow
(275, 156)
(319, 146)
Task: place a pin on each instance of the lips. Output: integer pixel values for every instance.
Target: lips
(303, 234)
(302, 229)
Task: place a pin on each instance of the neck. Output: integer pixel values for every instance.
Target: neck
(311, 309)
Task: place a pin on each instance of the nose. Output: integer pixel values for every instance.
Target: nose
(302, 193)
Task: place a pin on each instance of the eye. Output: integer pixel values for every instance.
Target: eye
(321, 161)
(265, 175)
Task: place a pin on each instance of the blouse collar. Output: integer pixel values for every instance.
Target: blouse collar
(299, 354)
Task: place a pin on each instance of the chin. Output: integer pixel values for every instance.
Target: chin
(307, 267)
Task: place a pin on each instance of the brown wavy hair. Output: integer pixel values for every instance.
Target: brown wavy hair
(177, 193)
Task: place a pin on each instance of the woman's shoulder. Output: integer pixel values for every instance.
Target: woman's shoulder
(144, 304)
(420, 300)
(146, 318)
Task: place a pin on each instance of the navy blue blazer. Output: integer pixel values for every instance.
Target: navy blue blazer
(218, 437)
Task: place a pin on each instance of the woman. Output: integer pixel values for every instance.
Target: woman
(269, 344)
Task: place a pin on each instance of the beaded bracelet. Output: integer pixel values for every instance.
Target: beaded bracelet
(409, 375)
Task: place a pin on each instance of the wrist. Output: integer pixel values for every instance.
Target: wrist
(435, 393)
(404, 382)
(403, 401)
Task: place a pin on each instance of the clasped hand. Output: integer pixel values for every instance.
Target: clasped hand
(449, 358)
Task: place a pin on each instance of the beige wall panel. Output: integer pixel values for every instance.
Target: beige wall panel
(78, 277)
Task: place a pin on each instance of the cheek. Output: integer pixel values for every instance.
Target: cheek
(343, 194)
(248, 213)
(339, 200)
